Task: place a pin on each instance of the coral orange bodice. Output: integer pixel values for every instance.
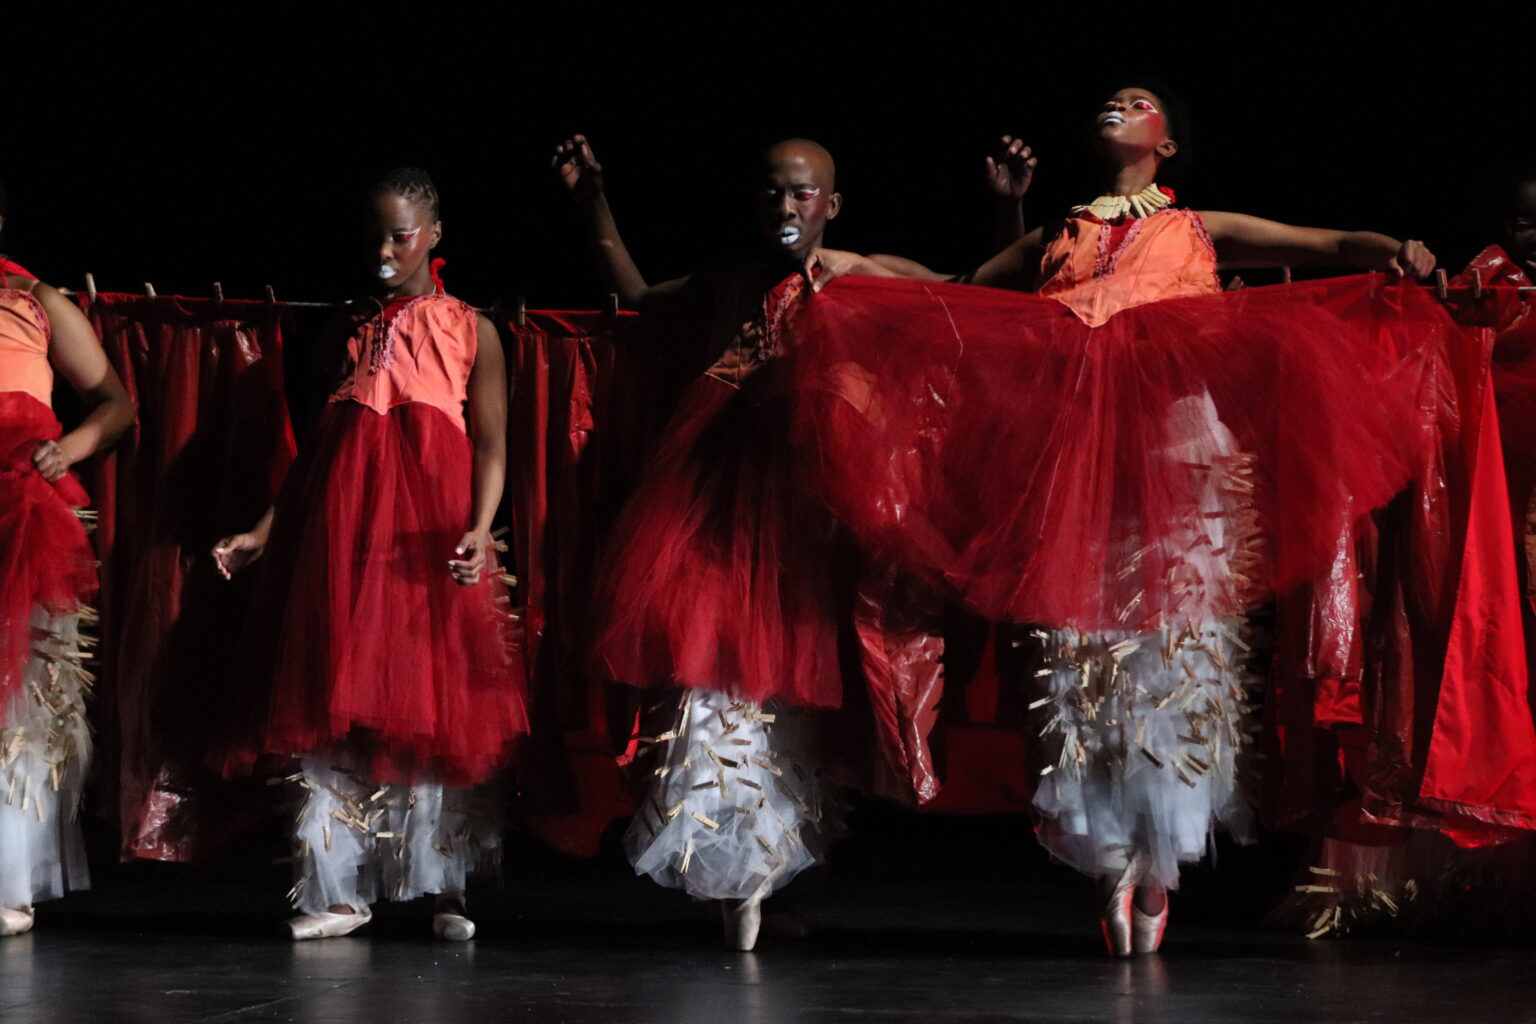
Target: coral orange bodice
(1099, 268)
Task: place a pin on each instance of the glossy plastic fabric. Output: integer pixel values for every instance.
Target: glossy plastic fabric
(1399, 696)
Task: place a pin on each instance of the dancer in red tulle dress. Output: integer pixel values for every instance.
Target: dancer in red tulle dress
(719, 578)
(729, 590)
(383, 656)
(47, 572)
(1130, 458)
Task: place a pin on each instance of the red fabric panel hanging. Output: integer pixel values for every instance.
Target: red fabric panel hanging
(588, 398)
(210, 449)
(1399, 695)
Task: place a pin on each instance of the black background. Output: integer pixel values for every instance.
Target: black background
(226, 144)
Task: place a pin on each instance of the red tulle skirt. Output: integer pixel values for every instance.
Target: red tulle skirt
(360, 636)
(992, 441)
(45, 556)
(721, 573)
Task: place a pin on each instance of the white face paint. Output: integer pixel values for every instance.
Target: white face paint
(788, 236)
(385, 273)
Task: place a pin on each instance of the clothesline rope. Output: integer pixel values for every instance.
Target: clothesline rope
(519, 309)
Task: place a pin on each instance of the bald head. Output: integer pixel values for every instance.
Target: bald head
(812, 157)
(797, 196)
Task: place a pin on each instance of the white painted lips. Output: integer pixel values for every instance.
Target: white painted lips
(789, 236)
(385, 273)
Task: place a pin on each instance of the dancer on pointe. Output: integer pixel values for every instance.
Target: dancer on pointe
(47, 572)
(1141, 703)
(384, 661)
(694, 594)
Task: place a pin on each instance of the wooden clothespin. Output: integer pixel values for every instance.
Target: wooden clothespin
(90, 287)
(149, 291)
(218, 295)
(613, 304)
(521, 316)
(271, 296)
(1285, 274)
(1441, 283)
(1477, 284)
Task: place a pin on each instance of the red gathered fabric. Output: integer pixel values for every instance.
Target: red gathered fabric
(993, 443)
(211, 445)
(45, 557)
(10, 268)
(583, 411)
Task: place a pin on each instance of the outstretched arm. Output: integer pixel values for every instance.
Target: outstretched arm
(78, 356)
(1014, 267)
(824, 265)
(582, 176)
(1242, 241)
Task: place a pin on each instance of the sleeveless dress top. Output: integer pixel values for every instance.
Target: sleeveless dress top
(1097, 268)
(420, 348)
(24, 337)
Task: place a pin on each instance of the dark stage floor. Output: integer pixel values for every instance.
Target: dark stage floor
(917, 919)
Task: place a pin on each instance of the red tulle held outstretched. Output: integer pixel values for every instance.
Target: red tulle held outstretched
(995, 442)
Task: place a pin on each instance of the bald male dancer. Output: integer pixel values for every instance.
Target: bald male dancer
(689, 834)
(796, 198)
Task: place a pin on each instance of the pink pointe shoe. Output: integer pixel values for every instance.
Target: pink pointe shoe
(449, 921)
(15, 922)
(327, 925)
(742, 919)
(1147, 929)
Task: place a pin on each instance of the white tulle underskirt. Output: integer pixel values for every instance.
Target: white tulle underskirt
(1142, 734)
(358, 841)
(737, 808)
(45, 751)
